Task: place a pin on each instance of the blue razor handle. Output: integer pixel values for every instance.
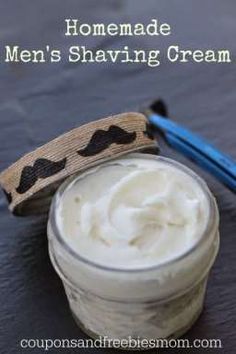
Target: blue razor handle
(196, 148)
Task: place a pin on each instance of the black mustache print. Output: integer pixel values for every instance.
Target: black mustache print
(102, 139)
(149, 131)
(8, 196)
(42, 168)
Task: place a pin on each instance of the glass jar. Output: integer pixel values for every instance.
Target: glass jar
(161, 301)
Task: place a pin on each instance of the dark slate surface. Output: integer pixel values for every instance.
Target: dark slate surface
(37, 102)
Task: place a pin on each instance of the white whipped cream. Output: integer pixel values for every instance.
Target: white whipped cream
(133, 213)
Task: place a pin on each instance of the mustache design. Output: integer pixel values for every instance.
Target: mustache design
(8, 196)
(42, 168)
(149, 131)
(102, 139)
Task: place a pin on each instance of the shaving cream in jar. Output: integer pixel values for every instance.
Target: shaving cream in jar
(133, 241)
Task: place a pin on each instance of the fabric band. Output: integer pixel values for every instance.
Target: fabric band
(33, 175)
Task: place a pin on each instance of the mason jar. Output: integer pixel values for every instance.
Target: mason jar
(161, 301)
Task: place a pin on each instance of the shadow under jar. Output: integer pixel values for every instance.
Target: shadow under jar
(155, 291)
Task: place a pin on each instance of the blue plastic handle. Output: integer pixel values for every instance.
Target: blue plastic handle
(201, 160)
(200, 145)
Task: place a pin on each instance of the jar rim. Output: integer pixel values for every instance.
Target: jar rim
(211, 225)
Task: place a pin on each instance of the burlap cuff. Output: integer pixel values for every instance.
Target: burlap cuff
(37, 174)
